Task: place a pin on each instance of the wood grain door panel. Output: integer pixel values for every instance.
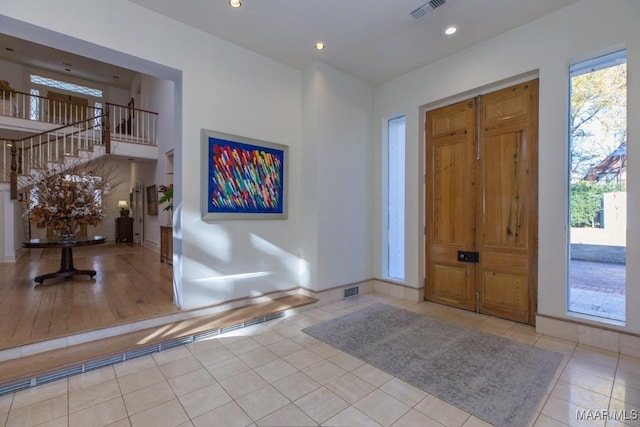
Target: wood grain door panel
(505, 216)
(507, 186)
(482, 196)
(450, 172)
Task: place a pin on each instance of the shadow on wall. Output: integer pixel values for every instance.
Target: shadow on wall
(235, 266)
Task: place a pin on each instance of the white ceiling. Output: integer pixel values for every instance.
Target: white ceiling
(375, 40)
(45, 58)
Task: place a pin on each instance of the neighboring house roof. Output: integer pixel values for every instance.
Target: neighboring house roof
(616, 162)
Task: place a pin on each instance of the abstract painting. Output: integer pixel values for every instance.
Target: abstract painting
(245, 178)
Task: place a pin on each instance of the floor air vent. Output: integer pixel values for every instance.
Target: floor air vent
(426, 8)
(112, 360)
(351, 292)
(175, 343)
(275, 315)
(12, 388)
(206, 335)
(231, 328)
(101, 363)
(58, 375)
(140, 352)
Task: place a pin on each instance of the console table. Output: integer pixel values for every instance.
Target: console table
(124, 229)
(166, 244)
(67, 270)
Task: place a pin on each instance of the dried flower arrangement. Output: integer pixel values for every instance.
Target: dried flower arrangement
(67, 196)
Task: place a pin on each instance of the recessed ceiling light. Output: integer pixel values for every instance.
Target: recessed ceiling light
(319, 46)
(235, 3)
(450, 30)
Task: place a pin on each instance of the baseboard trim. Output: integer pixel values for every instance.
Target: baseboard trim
(11, 259)
(587, 333)
(151, 245)
(366, 286)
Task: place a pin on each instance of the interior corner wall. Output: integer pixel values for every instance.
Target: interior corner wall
(5, 243)
(121, 170)
(548, 46)
(158, 95)
(309, 202)
(11, 226)
(337, 159)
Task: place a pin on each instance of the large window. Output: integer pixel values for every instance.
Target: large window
(69, 87)
(597, 187)
(40, 85)
(395, 198)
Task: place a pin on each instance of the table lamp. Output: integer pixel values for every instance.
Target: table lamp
(124, 208)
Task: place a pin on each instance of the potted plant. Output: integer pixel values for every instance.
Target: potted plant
(167, 196)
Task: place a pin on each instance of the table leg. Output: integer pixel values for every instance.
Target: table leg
(67, 270)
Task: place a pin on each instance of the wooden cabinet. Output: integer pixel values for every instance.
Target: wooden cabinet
(124, 229)
(166, 244)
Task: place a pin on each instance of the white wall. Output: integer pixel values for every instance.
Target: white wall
(115, 95)
(12, 73)
(583, 30)
(121, 169)
(7, 253)
(158, 95)
(231, 90)
(337, 162)
(222, 87)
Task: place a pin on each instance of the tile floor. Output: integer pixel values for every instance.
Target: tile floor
(273, 374)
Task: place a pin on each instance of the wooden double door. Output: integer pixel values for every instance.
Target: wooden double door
(482, 203)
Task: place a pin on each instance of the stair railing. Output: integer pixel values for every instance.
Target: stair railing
(133, 125)
(27, 106)
(95, 127)
(36, 151)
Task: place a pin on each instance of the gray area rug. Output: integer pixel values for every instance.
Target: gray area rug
(493, 378)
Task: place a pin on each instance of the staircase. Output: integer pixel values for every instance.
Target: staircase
(57, 148)
(104, 132)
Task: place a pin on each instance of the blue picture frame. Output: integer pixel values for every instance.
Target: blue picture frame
(245, 178)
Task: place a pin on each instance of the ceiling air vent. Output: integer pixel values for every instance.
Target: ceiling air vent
(426, 8)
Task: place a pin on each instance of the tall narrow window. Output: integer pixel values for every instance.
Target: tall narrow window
(35, 105)
(597, 191)
(395, 192)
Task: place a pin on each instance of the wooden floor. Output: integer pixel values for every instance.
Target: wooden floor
(131, 285)
(27, 369)
(127, 288)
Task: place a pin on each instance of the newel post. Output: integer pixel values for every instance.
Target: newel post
(14, 173)
(106, 130)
